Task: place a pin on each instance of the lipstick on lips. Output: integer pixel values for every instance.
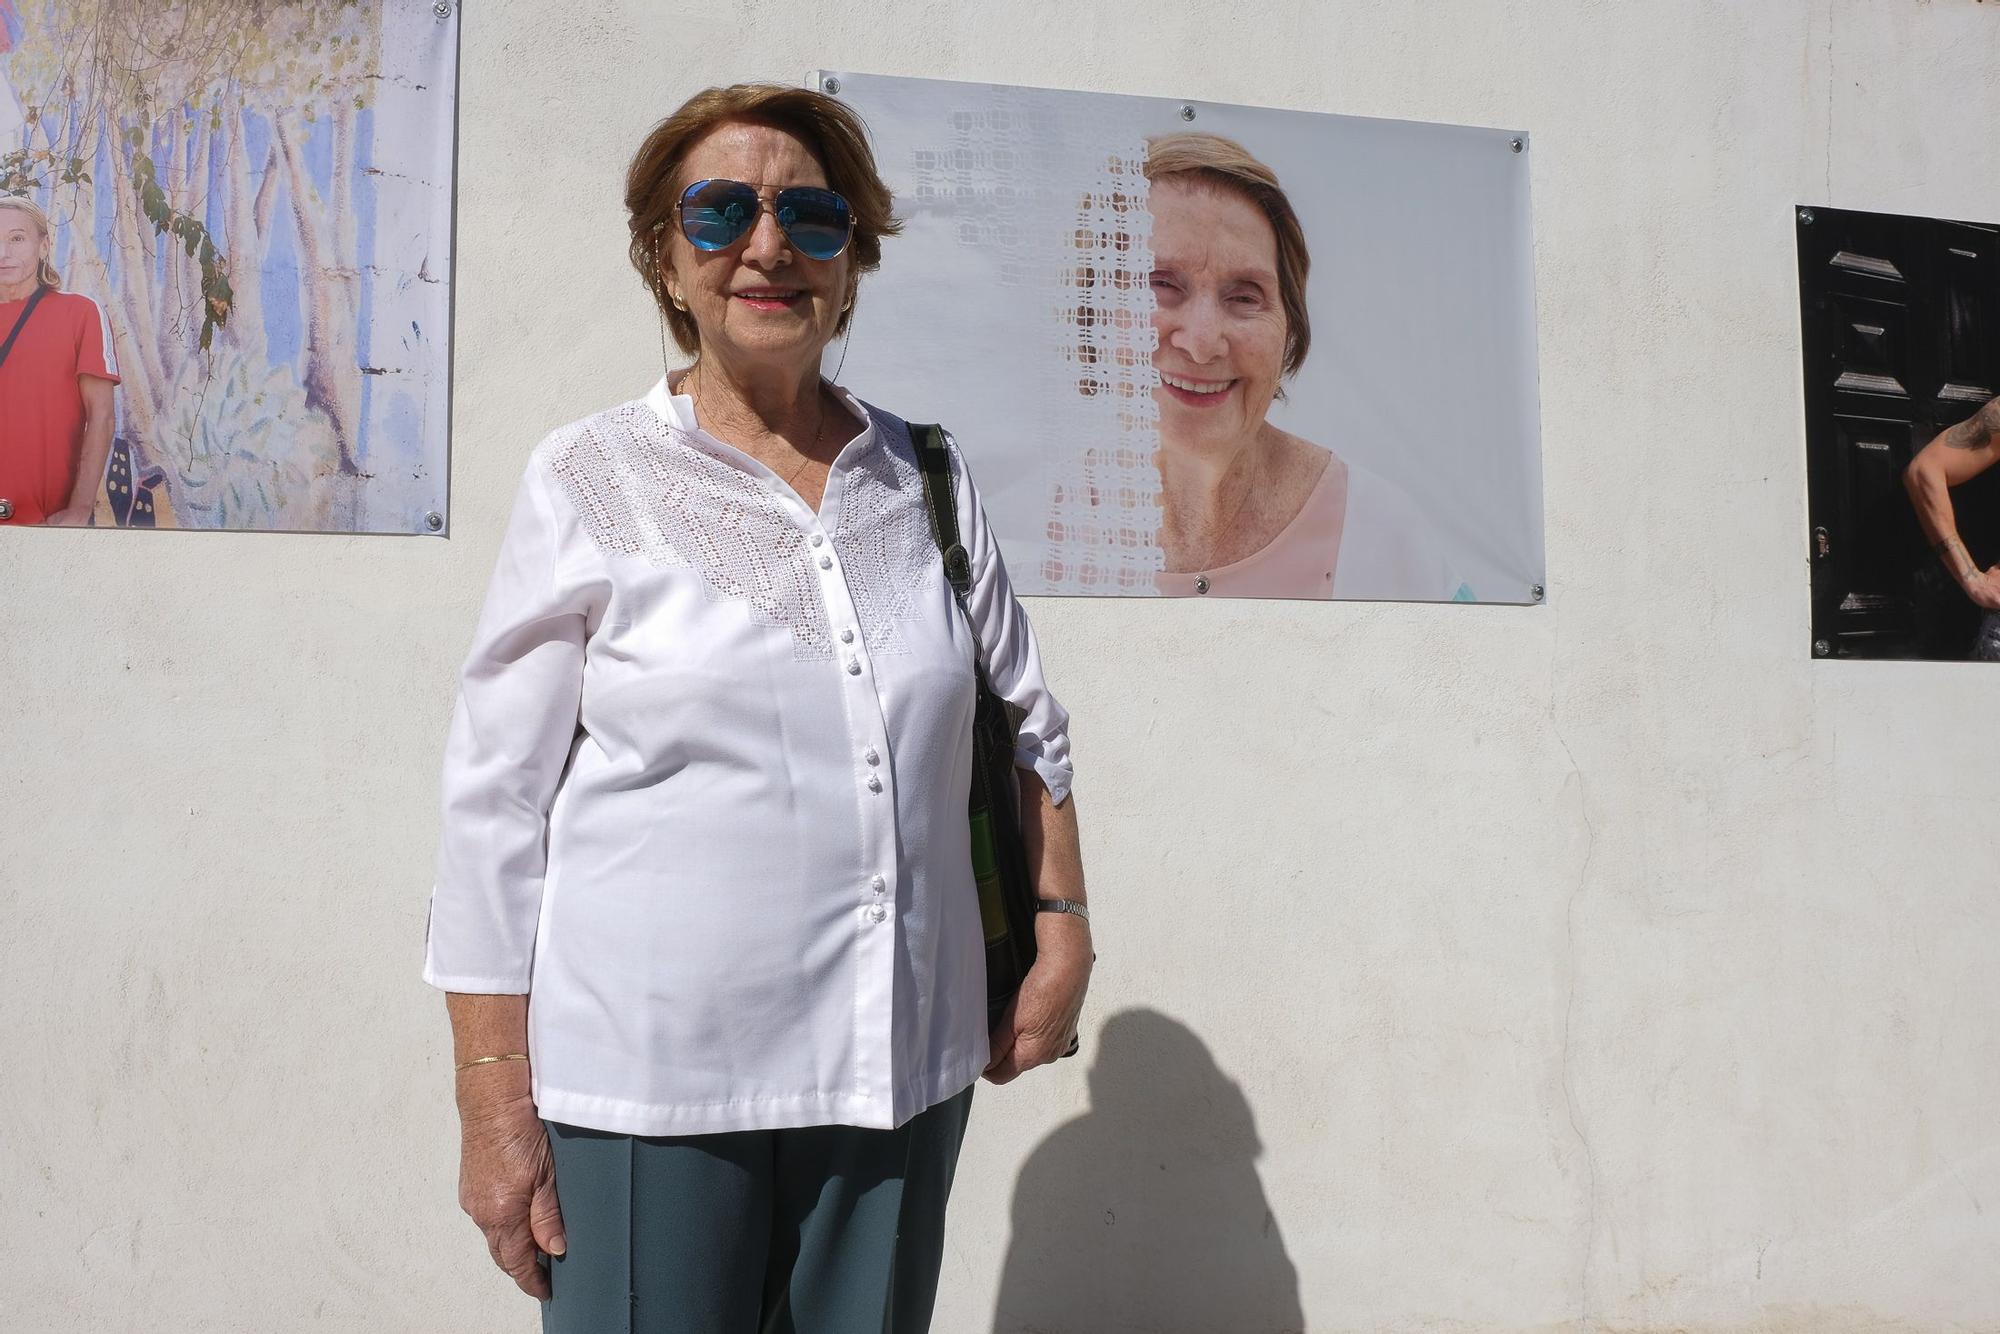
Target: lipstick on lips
(1195, 393)
(768, 298)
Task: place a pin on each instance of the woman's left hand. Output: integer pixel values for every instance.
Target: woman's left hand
(1040, 1023)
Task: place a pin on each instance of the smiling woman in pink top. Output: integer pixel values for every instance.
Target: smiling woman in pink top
(1247, 508)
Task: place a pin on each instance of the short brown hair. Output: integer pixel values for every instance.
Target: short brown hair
(831, 129)
(1225, 164)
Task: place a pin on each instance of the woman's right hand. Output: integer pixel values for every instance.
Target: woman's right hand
(507, 1181)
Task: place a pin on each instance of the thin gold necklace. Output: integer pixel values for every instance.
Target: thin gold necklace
(819, 427)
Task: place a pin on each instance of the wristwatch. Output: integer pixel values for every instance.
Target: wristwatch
(1070, 906)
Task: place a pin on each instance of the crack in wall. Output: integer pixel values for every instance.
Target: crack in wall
(1576, 1124)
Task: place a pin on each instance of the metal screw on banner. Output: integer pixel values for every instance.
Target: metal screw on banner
(1187, 112)
(832, 85)
(434, 521)
(1822, 649)
(1805, 216)
(1537, 592)
(442, 9)
(1517, 145)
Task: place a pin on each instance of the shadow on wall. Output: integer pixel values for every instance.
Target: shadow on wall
(1145, 1215)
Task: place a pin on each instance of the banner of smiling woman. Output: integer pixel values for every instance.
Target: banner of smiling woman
(257, 196)
(1202, 350)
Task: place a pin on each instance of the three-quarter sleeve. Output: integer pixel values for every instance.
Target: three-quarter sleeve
(1009, 653)
(511, 735)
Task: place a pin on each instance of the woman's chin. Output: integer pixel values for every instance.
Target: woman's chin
(779, 333)
(1203, 435)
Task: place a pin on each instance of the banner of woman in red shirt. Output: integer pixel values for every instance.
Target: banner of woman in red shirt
(57, 371)
(250, 210)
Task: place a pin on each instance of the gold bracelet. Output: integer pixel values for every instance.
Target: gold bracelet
(463, 1066)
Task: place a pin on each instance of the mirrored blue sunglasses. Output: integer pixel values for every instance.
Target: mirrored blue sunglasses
(716, 214)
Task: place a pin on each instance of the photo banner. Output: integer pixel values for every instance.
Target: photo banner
(1899, 328)
(1203, 350)
(243, 215)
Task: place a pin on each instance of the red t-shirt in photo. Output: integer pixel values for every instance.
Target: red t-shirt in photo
(41, 403)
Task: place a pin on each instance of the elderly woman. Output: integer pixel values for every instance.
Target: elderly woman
(57, 372)
(1247, 508)
(705, 904)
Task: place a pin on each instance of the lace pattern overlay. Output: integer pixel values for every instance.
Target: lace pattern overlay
(1104, 509)
(1058, 194)
(647, 489)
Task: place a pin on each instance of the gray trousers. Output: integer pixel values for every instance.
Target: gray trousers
(821, 1230)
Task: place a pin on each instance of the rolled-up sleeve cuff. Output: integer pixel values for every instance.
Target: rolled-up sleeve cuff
(477, 986)
(1056, 775)
(478, 972)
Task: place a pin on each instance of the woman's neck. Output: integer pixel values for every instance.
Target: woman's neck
(1219, 507)
(754, 401)
(784, 422)
(20, 291)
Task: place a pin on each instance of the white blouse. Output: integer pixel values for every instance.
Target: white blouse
(705, 787)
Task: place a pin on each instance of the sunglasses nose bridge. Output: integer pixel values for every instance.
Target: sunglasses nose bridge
(766, 235)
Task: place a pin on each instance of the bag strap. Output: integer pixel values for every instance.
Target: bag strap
(35, 299)
(933, 448)
(934, 462)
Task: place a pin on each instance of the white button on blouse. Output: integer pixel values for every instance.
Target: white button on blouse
(653, 822)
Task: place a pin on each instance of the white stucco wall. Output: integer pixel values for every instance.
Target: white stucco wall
(1604, 965)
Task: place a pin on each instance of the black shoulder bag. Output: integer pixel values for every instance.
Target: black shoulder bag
(34, 299)
(999, 857)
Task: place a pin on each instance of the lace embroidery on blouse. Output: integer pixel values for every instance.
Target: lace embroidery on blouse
(884, 536)
(644, 488)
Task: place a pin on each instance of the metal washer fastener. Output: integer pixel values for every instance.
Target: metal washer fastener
(830, 85)
(1201, 583)
(1187, 112)
(434, 521)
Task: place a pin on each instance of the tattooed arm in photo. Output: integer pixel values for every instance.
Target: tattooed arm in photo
(1959, 454)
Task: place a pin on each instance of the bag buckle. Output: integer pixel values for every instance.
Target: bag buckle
(958, 564)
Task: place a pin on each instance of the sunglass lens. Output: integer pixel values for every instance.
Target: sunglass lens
(715, 213)
(817, 221)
